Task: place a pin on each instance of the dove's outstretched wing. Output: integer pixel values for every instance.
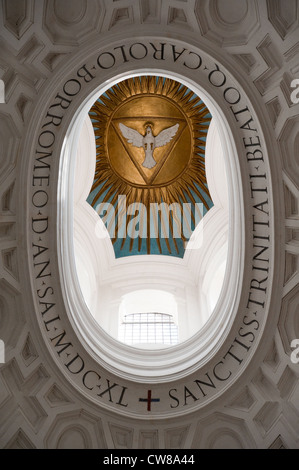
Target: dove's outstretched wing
(132, 136)
(165, 136)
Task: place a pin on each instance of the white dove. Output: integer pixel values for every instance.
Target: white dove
(148, 142)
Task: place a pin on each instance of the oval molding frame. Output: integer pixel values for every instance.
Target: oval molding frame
(205, 377)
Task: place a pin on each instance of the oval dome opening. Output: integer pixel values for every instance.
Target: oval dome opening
(187, 261)
(194, 275)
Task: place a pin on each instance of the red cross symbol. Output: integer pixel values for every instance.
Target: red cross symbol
(149, 400)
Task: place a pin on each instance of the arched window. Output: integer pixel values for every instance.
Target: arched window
(148, 328)
(148, 317)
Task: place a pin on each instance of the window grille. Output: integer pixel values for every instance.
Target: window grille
(148, 328)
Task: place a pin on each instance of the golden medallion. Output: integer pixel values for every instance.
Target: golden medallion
(149, 116)
(150, 136)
